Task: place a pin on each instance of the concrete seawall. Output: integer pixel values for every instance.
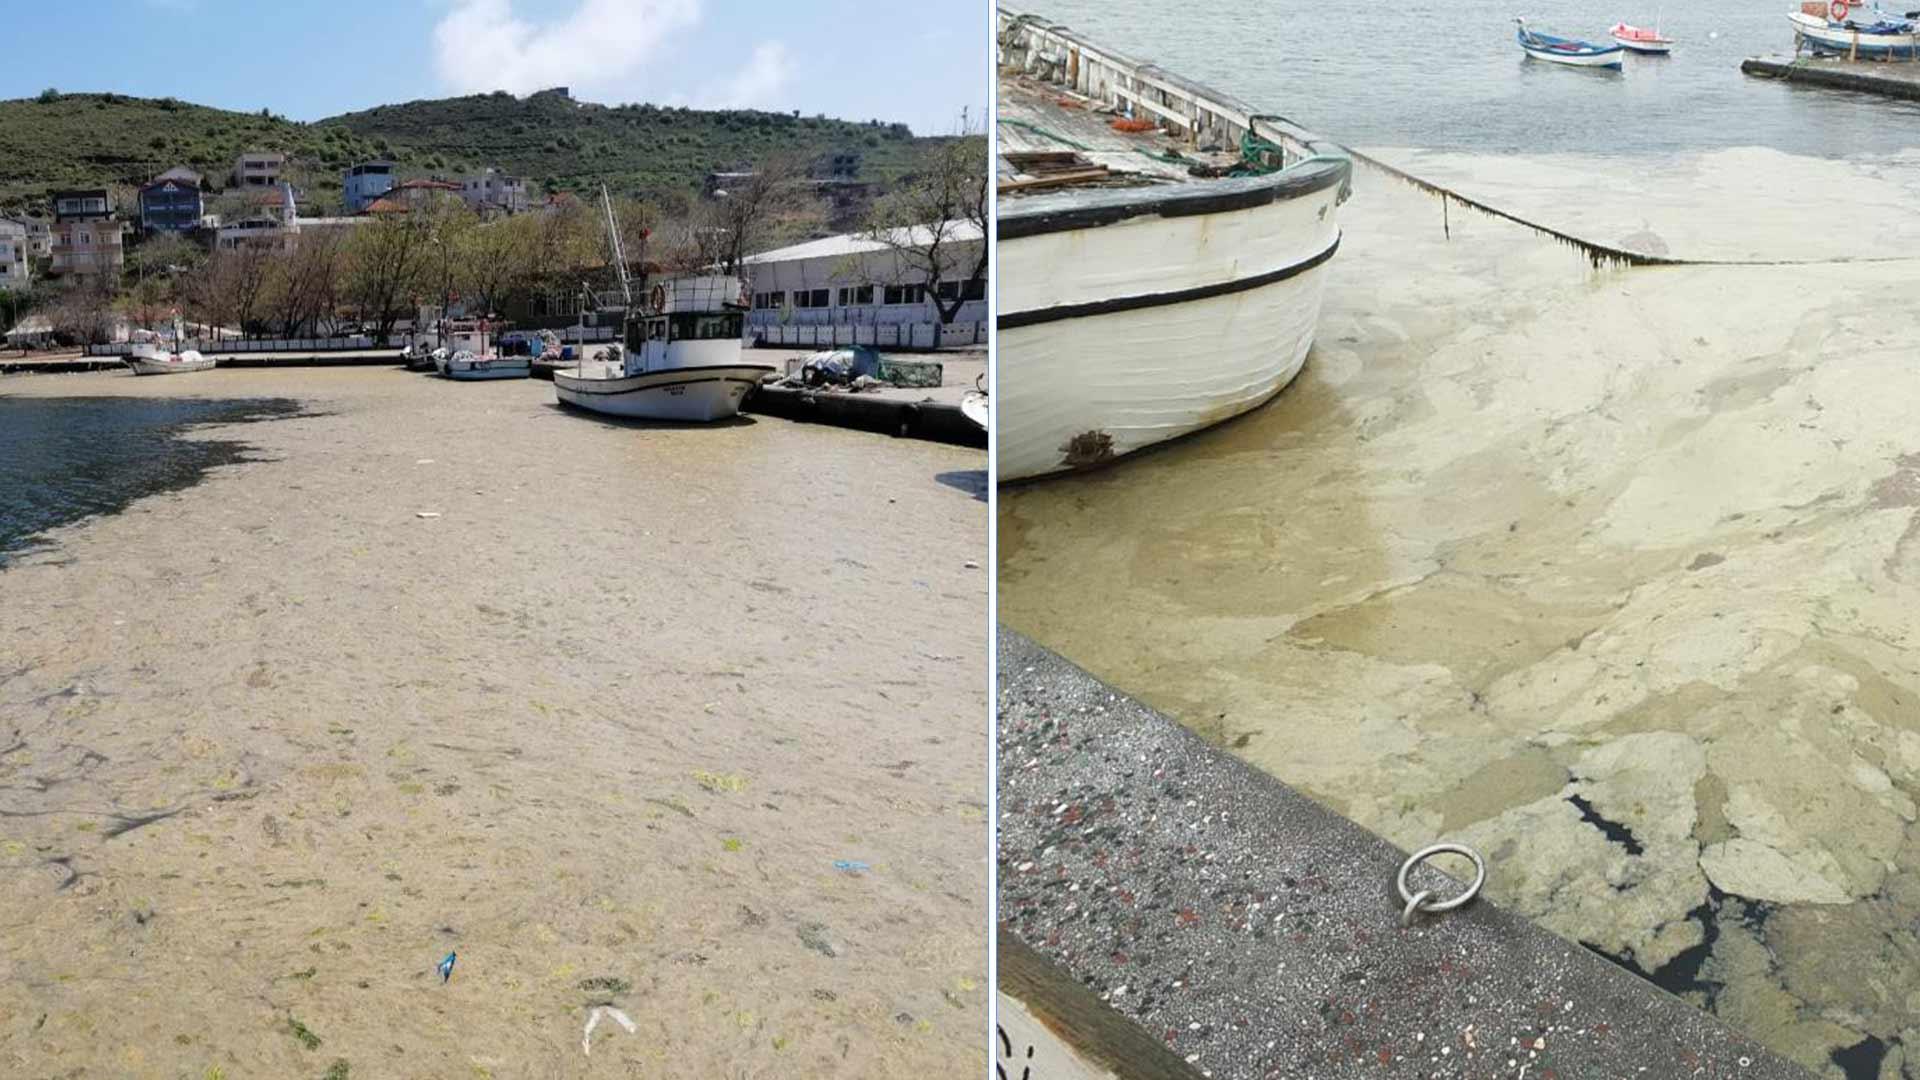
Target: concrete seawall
(1893, 79)
(1256, 934)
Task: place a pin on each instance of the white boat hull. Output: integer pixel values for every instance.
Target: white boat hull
(1608, 59)
(1645, 48)
(501, 367)
(691, 394)
(169, 363)
(1836, 40)
(1242, 291)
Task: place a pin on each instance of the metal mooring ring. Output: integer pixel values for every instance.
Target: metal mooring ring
(1422, 901)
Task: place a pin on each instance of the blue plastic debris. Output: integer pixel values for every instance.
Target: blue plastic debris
(850, 867)
(446, 967)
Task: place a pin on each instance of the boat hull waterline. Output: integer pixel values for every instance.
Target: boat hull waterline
(689, 394)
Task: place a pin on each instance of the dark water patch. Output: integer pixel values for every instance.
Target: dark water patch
(66, 459)
(1614, 831)
(1861, 1061)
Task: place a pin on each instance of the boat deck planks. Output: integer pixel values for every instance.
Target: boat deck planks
(1041, 125)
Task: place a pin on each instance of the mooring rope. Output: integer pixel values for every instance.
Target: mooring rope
(1598, 254)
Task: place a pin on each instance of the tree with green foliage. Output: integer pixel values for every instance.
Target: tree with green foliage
(384, 264)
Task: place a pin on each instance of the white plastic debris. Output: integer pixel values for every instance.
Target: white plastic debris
(427, 513)
(593, 1018)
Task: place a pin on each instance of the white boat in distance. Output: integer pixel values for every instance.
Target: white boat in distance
(1161, 269)
(1641, 40)
(464, 355)
(681, 359)
(152, 359)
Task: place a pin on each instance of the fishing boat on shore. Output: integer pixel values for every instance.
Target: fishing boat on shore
(466, 354)
(150, 358)
(1641, 40)
(1831, 28)
(1163, 250)
(679, 358)
(1569, 51)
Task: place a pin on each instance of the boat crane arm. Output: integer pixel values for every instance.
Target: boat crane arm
(619, 249)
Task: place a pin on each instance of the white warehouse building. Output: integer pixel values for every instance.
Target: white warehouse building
(853, 289)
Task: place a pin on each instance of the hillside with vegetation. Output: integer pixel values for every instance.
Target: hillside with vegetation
(68, 140)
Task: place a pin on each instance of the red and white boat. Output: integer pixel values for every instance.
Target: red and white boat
(1641, 40)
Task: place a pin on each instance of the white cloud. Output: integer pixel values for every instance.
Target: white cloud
(758, 84)
(480, 45)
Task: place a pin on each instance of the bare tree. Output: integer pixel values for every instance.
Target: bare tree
(775, 201)
(306, 281)
(933, 215)
(83, 312)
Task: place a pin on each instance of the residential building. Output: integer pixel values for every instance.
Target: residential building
(494, 192)
(873, 292)
(88, 241)
(259, 168)
(39, 237)
(172, 202)
(269, 219)
(410, 195)
(16, 270)
(366, 182)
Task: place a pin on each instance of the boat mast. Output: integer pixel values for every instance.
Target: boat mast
(619, 249)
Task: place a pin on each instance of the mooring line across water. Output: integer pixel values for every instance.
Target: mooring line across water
(1598, 254)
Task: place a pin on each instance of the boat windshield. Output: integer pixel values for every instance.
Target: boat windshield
(703, 327)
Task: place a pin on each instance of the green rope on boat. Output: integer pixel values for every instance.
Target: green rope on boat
(1259, 156)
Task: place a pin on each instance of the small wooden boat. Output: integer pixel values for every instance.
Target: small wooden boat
(1641, 40)
(1831, 29)
(1570, 51)
(151, 359)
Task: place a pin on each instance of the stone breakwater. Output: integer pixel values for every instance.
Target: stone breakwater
(1611, 574)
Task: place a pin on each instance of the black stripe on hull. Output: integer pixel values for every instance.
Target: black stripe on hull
(1148, 300)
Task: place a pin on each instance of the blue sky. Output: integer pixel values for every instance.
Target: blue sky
(915, 61)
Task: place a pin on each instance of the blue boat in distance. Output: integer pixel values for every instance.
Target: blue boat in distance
(1568, 51)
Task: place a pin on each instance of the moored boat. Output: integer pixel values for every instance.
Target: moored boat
(466, 354)
(681, 362)
(1641, 40)
(154, 359)
(680, 357)
(1161, 270)
(1569, 51)
(1831, 29)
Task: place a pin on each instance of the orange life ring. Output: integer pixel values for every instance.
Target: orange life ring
(1838, 9)
(659, 299)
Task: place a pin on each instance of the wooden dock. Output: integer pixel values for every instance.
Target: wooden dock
(1894, 79)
